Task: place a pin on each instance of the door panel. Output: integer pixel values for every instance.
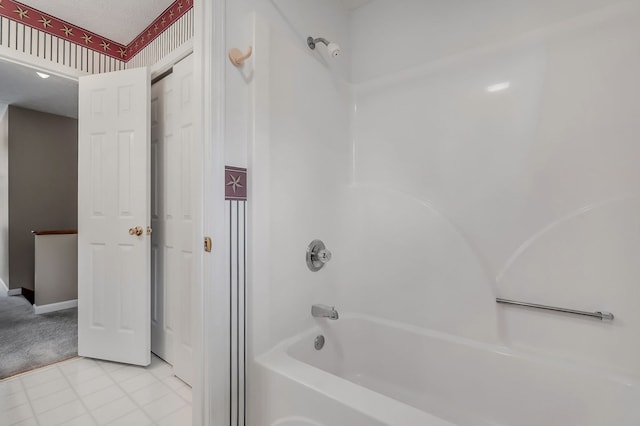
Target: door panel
(188, 178)
(175, 198)
(113, 197)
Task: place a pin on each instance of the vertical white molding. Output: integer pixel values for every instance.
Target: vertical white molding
(211, 405)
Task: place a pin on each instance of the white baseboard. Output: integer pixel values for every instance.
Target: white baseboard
(52, 307)
(4, 290)
(15, 292)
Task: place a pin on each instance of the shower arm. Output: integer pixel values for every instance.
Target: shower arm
(311, 42)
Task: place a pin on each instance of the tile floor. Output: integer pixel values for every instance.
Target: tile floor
(87, 392)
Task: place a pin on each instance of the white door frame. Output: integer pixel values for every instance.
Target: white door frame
(211, 384)
(211, 405)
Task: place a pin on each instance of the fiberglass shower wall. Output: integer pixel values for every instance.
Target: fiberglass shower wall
(299, 163)
(496, 156)
(454, 153)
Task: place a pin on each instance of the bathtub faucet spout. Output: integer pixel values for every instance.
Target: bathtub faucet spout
(324, 311)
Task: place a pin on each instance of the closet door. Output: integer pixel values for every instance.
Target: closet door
(163, 296)
(175, 213)
(185, 173)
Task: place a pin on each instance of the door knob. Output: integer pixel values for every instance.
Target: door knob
(136, 231)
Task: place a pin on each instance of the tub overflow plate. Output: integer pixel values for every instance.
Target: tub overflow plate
(319, 342)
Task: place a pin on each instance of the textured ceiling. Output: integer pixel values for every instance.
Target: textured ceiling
(118, 20)
(20, 86)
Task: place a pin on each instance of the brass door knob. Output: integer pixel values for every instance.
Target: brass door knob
(136, 231)
(149, 230)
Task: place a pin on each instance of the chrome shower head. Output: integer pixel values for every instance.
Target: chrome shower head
(332, 48)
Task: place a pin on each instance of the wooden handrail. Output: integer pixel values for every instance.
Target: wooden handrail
(61, 232)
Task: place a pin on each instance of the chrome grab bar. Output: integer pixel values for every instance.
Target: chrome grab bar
(601, 315)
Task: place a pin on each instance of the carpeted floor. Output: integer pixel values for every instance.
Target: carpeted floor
(29, 341)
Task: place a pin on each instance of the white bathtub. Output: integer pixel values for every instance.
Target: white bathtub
(373, 372)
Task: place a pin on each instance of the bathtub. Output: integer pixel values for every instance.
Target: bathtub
(372, 372)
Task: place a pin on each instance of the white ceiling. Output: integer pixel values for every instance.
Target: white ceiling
(118, 20)
(354, 4)
(20, 86)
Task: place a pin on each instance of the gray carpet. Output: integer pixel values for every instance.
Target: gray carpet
(29, 341)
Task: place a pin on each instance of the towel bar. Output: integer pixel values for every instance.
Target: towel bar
(601, 315)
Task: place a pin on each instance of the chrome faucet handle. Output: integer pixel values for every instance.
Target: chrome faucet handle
(317, 255)
(323, 255)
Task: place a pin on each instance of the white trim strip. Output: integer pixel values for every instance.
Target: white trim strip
(15, 292)
(4, 290)
(52, 307)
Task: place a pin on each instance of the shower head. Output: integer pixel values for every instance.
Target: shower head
(332, 48)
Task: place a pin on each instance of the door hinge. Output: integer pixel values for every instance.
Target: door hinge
(207, 244)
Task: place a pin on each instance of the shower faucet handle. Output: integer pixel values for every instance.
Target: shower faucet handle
(323, 255)
(317, 255)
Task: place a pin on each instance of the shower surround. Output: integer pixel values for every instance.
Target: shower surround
(452, 154)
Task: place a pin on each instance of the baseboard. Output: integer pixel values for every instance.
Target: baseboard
(52, 307)
(15, 292)
(4, 290)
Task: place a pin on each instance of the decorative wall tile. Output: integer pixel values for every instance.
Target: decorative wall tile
(235, 183)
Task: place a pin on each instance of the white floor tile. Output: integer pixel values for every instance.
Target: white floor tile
(12, 400)
(164, 406)
(138, 382)
(125, 373)
(181, 417)
(16, 414)
(162, 371)
(48, 388)
(136, 418)
(173, 382)
(102, 397)
(109, 366)
(151, 393)
(93, 385)
(77, 364)
(113, 410)
(83, 420)
(84, 374)
(185, 392)
(53, 400)
(112, 393)
(10, 387)
(61, 414)
(40, 377)
(28, 422)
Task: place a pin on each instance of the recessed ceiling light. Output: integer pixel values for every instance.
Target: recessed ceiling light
(42, 75)
(498, 87)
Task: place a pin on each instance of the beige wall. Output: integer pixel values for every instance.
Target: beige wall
(4, 195)
(43, 182)
(56, 270)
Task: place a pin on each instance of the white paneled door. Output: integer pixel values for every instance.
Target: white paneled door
(187, 206)
(174, 211)
(164, 297)
(113, 215)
